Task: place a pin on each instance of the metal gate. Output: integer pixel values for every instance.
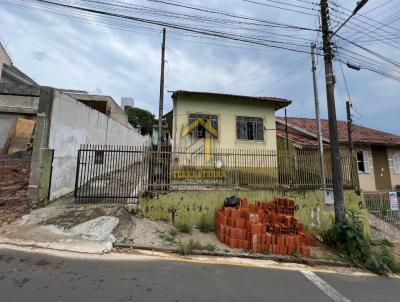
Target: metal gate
(384, 221)
(110, 174)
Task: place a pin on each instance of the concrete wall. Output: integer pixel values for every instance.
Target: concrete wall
(13, 107)
(226, 109)
(192, 205)
(367, 179)
(72, 124)
(17, 102)
(394, 177)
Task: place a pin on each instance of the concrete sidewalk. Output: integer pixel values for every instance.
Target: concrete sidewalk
(63, 225)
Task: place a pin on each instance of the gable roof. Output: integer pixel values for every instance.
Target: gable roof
(360, 134)
(277, 102)
(17, 75)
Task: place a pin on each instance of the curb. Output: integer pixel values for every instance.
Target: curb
(256, 256)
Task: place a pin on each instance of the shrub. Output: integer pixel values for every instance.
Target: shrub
(184, 228)
(171, 236)
(211, 247)
(205, 226)
(349, 238)
(185, 248)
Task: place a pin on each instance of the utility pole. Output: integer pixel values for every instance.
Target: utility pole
(349, 126)
(161, 101)
(286, 133)
(317, 115)
(349, 134)
(333, 135)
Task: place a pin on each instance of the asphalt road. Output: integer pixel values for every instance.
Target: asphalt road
(26, 276)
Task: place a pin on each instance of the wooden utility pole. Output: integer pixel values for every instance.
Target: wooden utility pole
(317, 115)
(286, 133)
(349, 134)
(333, 135)
(349, 126)
(161, 101)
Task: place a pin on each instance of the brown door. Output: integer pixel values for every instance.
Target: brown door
(381, 168)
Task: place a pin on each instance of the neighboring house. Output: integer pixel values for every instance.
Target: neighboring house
(165, 135)
(57, 122)
(19, 99)
(19, 102)
(102, 103)
(377, 152)
(226, 121)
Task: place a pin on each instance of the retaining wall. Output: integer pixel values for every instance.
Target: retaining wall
(190, 206)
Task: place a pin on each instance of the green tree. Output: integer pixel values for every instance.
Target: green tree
(141, 119)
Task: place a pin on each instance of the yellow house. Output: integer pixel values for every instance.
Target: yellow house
(202, 120)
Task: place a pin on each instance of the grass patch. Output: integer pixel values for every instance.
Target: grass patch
(184, 228)
(186, 248)
(350, 239)
(205, 226)
(171, 236)
(211, 247)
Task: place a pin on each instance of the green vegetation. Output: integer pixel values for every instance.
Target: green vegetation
(211, 247)
(141, 119)
(352, 241)
(171, 236)
(184, 228)
(185, 248)
(205, 226)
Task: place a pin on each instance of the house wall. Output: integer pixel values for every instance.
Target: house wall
(367, 180)
(395, 178)
(226, 109)
(71, 124)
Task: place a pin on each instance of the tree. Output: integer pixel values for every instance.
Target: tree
(141, 119)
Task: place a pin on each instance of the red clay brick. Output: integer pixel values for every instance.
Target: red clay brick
(240, 223)
(233, 243)
(253, 218)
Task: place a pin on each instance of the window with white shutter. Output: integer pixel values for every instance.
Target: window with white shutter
(366, 162)
(396, 162)
(363, 161)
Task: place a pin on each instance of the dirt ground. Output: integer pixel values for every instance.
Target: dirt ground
(14, 180)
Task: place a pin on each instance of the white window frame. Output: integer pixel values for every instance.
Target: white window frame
(365, 162)
(396, 162)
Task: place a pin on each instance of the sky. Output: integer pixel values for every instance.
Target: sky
(65, 53)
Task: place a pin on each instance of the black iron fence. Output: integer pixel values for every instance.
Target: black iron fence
(121, 173)
(113, 174)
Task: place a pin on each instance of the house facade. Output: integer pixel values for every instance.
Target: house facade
(377, 152)
(223, 121)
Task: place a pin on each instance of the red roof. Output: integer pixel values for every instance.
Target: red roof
(360, 134)
(299, 139)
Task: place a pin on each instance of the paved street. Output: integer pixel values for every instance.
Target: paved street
(27, 276)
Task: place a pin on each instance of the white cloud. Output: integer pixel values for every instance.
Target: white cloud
(63, 53)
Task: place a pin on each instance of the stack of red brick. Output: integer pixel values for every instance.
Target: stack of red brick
(264, 226)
